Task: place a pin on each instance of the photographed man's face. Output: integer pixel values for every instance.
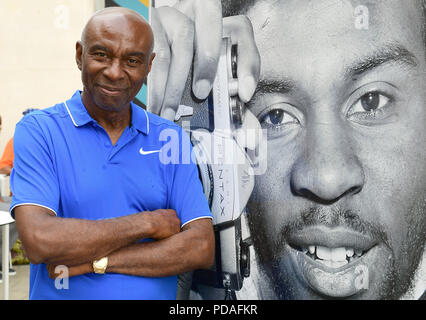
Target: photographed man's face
(341, 210)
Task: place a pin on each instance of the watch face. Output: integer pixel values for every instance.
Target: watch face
(101, 264)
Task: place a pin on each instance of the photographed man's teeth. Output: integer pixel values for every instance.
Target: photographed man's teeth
(332, 257)
(331, 254)
(338, 254)
(349, 252)
(323, 253)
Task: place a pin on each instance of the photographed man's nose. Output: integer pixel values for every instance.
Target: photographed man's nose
(328, 168)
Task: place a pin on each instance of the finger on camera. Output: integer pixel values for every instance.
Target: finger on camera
(240, 30)
(171, 72)
(207, 18)
(181, 40)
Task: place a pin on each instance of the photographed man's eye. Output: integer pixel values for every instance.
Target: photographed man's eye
(278, 120)
(370, 102)
(371, 108)
(277, 117)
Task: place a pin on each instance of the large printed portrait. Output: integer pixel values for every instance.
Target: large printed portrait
(339, 88)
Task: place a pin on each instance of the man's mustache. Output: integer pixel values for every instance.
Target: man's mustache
(333, 218)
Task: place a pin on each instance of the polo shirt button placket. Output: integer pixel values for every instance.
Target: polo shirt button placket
(112, 153)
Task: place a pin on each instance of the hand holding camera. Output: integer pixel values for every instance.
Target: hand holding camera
(190, 33)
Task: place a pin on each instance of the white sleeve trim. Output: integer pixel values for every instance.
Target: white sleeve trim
(32, 204)
(198, 218)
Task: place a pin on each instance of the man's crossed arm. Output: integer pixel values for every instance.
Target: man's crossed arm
(76, 243)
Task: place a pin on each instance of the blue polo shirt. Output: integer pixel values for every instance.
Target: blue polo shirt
(64, 161)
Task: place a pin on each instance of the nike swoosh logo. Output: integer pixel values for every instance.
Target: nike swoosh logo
(143, 152)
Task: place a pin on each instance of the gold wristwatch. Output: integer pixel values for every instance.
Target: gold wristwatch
(99, 266)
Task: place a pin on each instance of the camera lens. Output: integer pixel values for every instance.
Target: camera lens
(234, 52)
(236, 111)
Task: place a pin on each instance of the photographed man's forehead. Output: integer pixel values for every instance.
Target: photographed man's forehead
(354, 26)
(319, 45)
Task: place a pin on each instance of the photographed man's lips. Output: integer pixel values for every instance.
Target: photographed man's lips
(330, 238)
(333, 261)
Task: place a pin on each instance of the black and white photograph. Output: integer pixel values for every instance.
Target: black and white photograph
(339, 87)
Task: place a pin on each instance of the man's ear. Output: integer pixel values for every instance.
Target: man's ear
(78, 54)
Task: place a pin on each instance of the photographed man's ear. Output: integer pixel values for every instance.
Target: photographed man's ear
(78, 53)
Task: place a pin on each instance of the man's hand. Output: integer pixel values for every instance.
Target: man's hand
(164, 223)
(192, 248)
(189, 32)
